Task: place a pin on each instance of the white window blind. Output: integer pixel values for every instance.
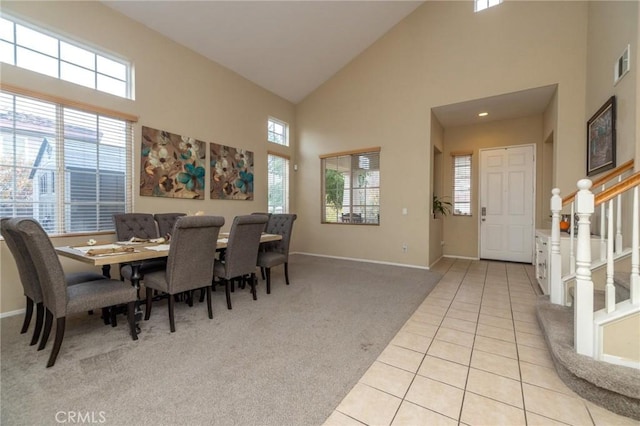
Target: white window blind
(462, 185)
(351, 188)
(277, 131)
(278, 183)
(26, 46)
(69, 169)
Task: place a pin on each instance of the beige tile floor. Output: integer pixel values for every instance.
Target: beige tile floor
(471, 354)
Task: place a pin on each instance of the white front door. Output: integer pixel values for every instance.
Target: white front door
(507, 195)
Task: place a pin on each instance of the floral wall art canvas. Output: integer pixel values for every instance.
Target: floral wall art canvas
(231, 173)
(171, 165)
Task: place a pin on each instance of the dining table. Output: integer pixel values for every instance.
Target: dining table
(133, 252)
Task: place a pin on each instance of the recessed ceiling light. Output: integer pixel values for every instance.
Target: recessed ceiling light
(483, 114)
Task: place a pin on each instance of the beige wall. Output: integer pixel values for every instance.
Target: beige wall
(436, 225)
(621, 338)
(176, 90)
(612, 26)
(441, 54)
(461, 232)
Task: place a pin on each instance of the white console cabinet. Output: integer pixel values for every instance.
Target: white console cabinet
(543, 255)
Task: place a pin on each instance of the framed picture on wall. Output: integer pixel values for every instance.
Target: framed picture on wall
(601, 139)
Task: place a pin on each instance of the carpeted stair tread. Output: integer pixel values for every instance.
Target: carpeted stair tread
(613, 386)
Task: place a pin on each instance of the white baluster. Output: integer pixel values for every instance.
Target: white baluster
(610, 293)
(603, 241)
(556, 287)
(572, 239)
(583, 303)
(619, 221)
(635, 256)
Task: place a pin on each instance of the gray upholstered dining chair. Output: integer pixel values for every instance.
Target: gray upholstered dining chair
(29, 277)
(277, 252)
(139, 225)
(165, 222)
(241, 253)
(61, 300)
(190, 262)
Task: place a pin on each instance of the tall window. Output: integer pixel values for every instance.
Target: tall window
(46, 53)
(277, 131)
(278, 183)
(462, 184)
(351, 187)
(67, 168)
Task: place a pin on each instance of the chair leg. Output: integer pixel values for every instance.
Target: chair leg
(268, 280)
(262, 273)
(190, 298)
(202, 293)
(48, 320)
(253, 286)
(209, 309)
(27, 316)
(228, 292)
(172, 322)
(114, 321)
(39, 318)
(147, 309)
(60, 325)
(105, 316)
(131, 317)
(286, 272)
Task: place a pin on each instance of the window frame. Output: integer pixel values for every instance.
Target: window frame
(348, 172)
(468, 158)
(480, 5)
(285, 135)
(58, 186)
(100, 75)
(286, 188)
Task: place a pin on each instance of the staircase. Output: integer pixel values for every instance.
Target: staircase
(591, 318)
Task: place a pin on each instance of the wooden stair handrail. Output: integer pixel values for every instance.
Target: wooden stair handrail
(603, 179)
(617, 189)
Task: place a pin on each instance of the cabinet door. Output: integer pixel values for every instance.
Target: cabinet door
(542, 256)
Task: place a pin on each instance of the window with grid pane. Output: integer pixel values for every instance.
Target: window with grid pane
(485, 4)
(277, 131)
(351, 187)
(28, 47)
(278, 183)
(69, 169)
(462, 185)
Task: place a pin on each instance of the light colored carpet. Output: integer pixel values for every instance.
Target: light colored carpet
(615, 387)
(288, 358)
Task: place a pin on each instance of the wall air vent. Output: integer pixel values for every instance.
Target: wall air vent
(622, 65)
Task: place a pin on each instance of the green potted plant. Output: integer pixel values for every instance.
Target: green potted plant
(440, 207)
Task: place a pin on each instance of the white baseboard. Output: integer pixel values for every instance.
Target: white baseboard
(12, 313)
(620, 361)
(461, 257)
(363, 260)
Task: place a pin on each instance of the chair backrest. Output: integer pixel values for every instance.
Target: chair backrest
(166, 221)
(48, 267)
(242, 248)
(140, 225)
(24, 263)
(192, 252)
(281, 224)
(268, 215)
